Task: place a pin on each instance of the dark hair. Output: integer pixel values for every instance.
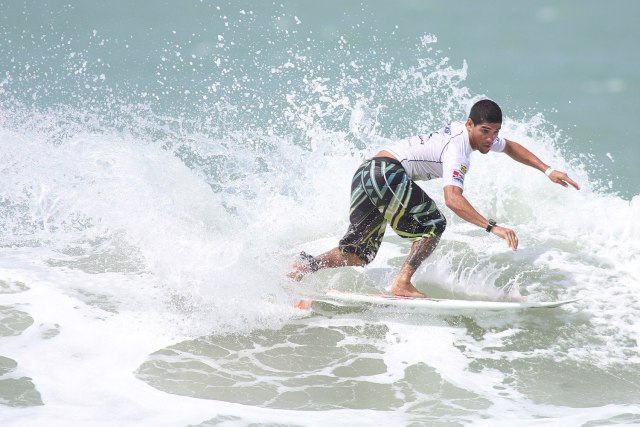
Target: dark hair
(485, 111)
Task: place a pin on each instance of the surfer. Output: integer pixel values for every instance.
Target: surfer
(383, 191)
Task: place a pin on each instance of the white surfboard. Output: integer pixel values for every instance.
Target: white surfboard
(432, 304)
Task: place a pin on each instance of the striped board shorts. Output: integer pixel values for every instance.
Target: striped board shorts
(382, 193)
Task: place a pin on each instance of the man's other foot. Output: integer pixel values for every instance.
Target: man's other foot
(406, 291)
(304, 265)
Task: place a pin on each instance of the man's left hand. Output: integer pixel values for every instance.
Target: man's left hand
(507, 234)
(563, 179)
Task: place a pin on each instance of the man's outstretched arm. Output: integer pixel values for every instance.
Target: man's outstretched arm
(518, 153)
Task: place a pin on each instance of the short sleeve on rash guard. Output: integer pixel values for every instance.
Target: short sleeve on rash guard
(499, 144)
(455, 165)
(454, 171)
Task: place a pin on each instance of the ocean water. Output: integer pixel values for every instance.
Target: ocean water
(161, 163)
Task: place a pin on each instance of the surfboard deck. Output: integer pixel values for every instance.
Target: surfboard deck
(432, 304)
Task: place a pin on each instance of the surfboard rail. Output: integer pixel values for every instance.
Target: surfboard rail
(433, 304)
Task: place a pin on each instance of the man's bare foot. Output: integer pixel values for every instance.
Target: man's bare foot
(406, 290)
(297, 271)
(301, 267)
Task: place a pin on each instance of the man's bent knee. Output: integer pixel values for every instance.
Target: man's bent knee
(437, 228)
(440, 226)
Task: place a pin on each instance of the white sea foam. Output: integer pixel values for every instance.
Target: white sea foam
(125, 251)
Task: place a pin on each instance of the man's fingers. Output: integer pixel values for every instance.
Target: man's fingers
(563, 179)
(572, 182)
(508, 235)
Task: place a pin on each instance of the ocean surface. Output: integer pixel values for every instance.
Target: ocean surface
(161, 163)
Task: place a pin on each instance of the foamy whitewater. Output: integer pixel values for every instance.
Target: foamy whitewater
(156, 179)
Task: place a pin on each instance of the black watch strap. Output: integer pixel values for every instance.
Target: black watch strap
(492, 223)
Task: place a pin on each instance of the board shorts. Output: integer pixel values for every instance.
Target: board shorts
(382, 193)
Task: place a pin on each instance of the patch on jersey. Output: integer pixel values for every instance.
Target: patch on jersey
(458, 176)
(463, 169)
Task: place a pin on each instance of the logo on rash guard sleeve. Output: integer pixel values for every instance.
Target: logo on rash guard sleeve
(458, 174)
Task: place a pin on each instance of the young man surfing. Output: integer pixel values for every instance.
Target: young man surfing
(383, 191)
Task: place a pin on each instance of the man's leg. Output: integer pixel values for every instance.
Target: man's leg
(331, 259)
(362, 240)
(419, 219)
(420, 250)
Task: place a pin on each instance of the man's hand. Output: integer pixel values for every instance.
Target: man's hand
(507, 234)
(563, 179)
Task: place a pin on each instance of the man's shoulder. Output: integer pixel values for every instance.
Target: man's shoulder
(456, 137)
(455, 128)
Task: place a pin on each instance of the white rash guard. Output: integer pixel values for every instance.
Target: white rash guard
(443, 154)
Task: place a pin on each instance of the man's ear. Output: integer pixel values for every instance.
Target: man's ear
(470, 123)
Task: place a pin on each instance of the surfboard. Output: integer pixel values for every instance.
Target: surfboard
(340, 298)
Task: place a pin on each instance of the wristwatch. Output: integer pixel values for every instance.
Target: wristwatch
(492, 223)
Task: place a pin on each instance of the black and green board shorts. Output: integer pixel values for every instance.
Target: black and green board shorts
(382, 193)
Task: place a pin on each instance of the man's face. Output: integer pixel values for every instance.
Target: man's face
(482, 136)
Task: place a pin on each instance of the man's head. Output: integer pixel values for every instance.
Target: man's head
(483, 125)
(485, 111)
